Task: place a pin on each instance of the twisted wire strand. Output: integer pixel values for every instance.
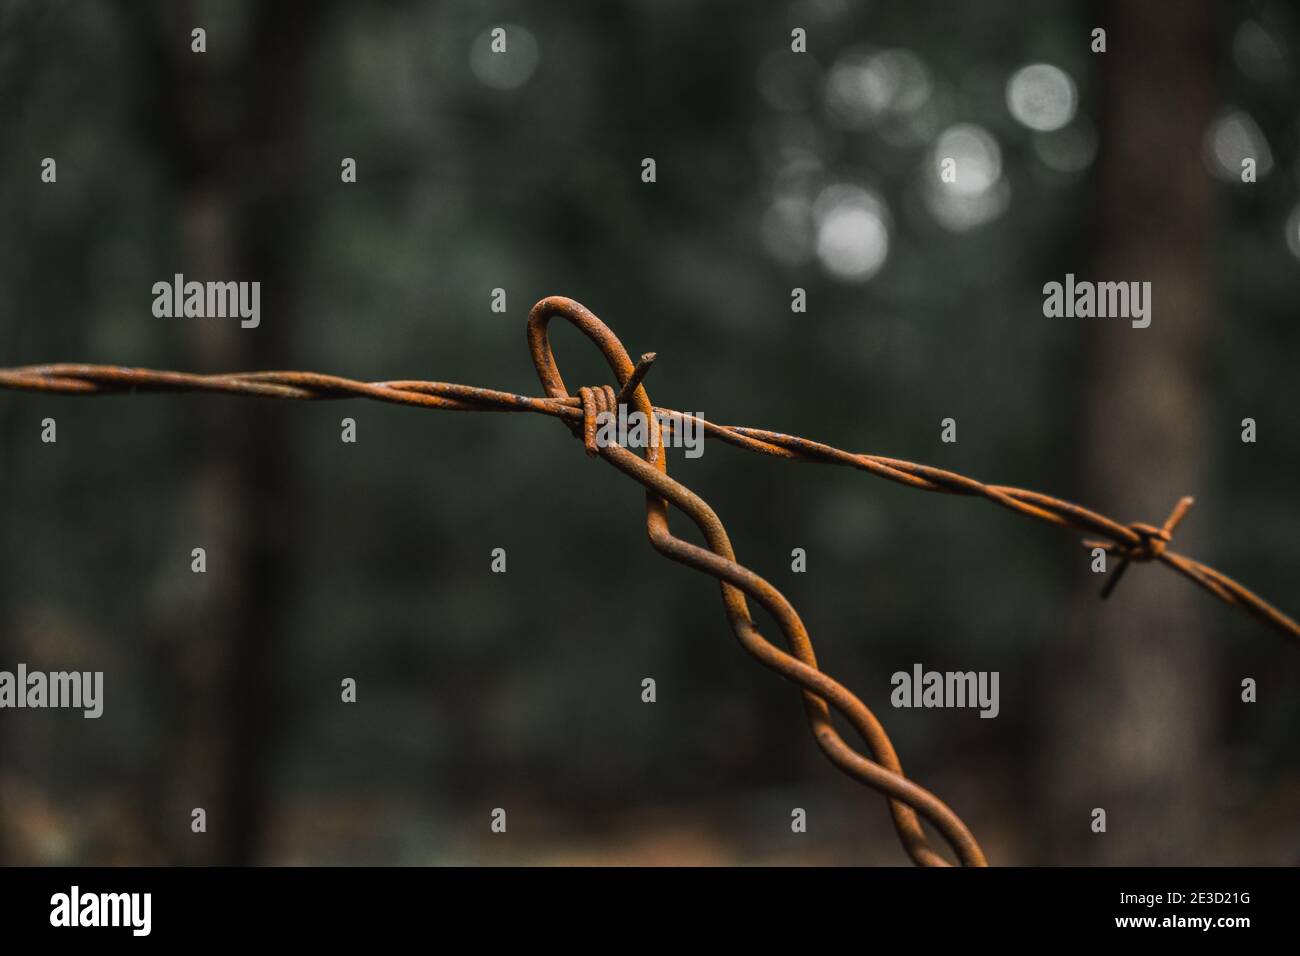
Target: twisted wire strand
(881, 770)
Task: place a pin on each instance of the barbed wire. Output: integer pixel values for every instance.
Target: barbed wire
(908, 801)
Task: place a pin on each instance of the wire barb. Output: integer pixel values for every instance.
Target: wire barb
(1151, 543)
(879, 768)
(640, 372)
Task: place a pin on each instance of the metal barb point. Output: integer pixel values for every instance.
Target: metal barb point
(638, 374)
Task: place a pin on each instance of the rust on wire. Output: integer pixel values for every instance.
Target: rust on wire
(878, 767)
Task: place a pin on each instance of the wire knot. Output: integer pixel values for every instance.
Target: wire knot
(1150, 543)
(602, 398)
(596, 401)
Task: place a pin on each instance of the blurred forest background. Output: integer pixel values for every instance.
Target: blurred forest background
(522, 171)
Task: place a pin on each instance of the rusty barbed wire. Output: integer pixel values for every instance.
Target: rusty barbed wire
(882, 771)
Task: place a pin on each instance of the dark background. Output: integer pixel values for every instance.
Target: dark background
(522, 171)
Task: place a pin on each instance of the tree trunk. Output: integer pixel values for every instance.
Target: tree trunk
(232, 142)
(1135, 721)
